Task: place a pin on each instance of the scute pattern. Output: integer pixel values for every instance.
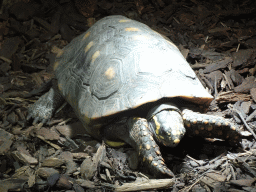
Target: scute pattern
(134, 65)
(107, 78)
(121, 64)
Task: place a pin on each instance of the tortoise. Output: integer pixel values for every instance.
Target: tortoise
(129, 84)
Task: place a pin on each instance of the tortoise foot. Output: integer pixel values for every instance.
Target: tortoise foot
(148, 150)
(210, 126)
(43, 109)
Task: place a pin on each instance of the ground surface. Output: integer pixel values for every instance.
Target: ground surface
(218, 38)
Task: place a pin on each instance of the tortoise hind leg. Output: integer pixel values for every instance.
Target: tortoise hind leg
(43, 109)
(210, 126)
(135, 131)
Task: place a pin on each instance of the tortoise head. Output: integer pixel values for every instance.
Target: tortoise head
(166, 124)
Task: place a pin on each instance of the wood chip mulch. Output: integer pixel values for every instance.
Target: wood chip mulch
(218, 39)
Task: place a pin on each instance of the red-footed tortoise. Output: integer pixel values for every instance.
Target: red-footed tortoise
(128, 83)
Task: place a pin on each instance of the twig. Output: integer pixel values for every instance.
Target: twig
(245, 123)
(215, 87)
(193, 159)
(252, 115)
(238, 46)
(191, 186)
(246, 166)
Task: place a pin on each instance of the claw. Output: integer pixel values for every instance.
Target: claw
(148, 149)
(159, 169)
(44, 121)
(168, 172)
(36, 119)
(29, 117)
(42, 110)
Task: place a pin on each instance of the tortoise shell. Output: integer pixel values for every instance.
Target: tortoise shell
(120, 64)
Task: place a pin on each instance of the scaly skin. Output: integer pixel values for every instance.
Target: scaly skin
(210, 126)
(101, 75)
(43, 109)
(147, 148)
(135, 131)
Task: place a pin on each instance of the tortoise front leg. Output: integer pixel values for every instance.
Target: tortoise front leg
(210, 126)
(135, 131)
(43, 109)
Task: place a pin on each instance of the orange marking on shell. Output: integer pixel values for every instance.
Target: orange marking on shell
(86, 35)
(194, 121)
(110, 73)
(150, 158)
(155, 164)
(88, 46)
(196, 132)
(233, 128)
(227, 123)
(131, 29)
(219, 124)
(95, 55)
(202, 128)
(141, 37)
(206, 122)
(199, 100)
(124, 21)
(158, 152)
(109, 111)
(188, 125)
(210, 128)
